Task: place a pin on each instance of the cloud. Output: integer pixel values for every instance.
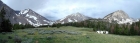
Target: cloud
(57, 9)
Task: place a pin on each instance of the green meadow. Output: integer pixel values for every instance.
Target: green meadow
(66, 34)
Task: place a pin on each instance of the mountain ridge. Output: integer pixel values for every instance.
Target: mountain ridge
(26, 16)
(75, 17)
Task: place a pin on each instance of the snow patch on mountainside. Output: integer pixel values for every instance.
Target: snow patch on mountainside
(27, 15)
(36, 25)
(17, 15)
(69, 20)
(20, 23)
(30, 22)
(24, 11)
(75, 17)
(46, 21)
(62, 19)
(45, 24)
(30, 16)
(75, 20)
(62, 22)
(35, 18)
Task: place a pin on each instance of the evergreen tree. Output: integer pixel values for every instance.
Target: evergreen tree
(6, 26)
(132, 31)
(58, 25)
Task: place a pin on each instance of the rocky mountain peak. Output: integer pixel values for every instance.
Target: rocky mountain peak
(75, 17)
(25, 11)
(120, 16)
(117, 14)
(26, 16)
(32, 18)
(77, 14)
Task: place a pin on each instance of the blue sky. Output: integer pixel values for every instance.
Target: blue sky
(57, 9)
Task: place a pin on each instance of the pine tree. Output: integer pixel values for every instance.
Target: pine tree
(6, 26)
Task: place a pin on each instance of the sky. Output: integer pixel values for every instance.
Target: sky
(57, 9)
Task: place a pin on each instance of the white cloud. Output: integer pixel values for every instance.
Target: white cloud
(57, 9)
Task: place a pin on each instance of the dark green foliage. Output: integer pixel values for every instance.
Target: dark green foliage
(3, 40)
(58, 25)
(6, 26)
(20, 26)
(17, 39)
(9, 37)
(28, 26)
(113, 28)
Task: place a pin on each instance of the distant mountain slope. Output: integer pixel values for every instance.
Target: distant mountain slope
(32, 17)
(75, 17)
(26, 16)
(120, 16)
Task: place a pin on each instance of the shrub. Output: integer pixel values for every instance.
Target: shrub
(9, 37)
(49, 37)
(3, 33)
(30, 33)
(17, 39)
(24, 35)
(87, 36)
(3, 40)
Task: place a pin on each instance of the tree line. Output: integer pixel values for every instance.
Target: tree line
(113, 28)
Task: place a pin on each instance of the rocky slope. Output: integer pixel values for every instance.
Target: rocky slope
(120, 17)
(26, 16)
(75, 17)
(32, 18)
(10, 14)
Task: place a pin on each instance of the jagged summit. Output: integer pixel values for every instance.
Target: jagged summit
(32, 17)
(25, 11)
(75, 17)
(120, 16)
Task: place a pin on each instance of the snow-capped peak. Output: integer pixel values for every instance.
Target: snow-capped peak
(75, 17)
(77, 14)
(24, 11)
(33, 18)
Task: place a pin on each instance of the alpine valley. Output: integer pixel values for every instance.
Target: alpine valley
(28, 16)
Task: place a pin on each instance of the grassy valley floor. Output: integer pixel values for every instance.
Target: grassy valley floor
(66, 34)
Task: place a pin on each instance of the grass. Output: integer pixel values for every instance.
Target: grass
(66, 38)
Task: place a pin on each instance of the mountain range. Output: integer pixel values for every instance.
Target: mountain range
(28, 16)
